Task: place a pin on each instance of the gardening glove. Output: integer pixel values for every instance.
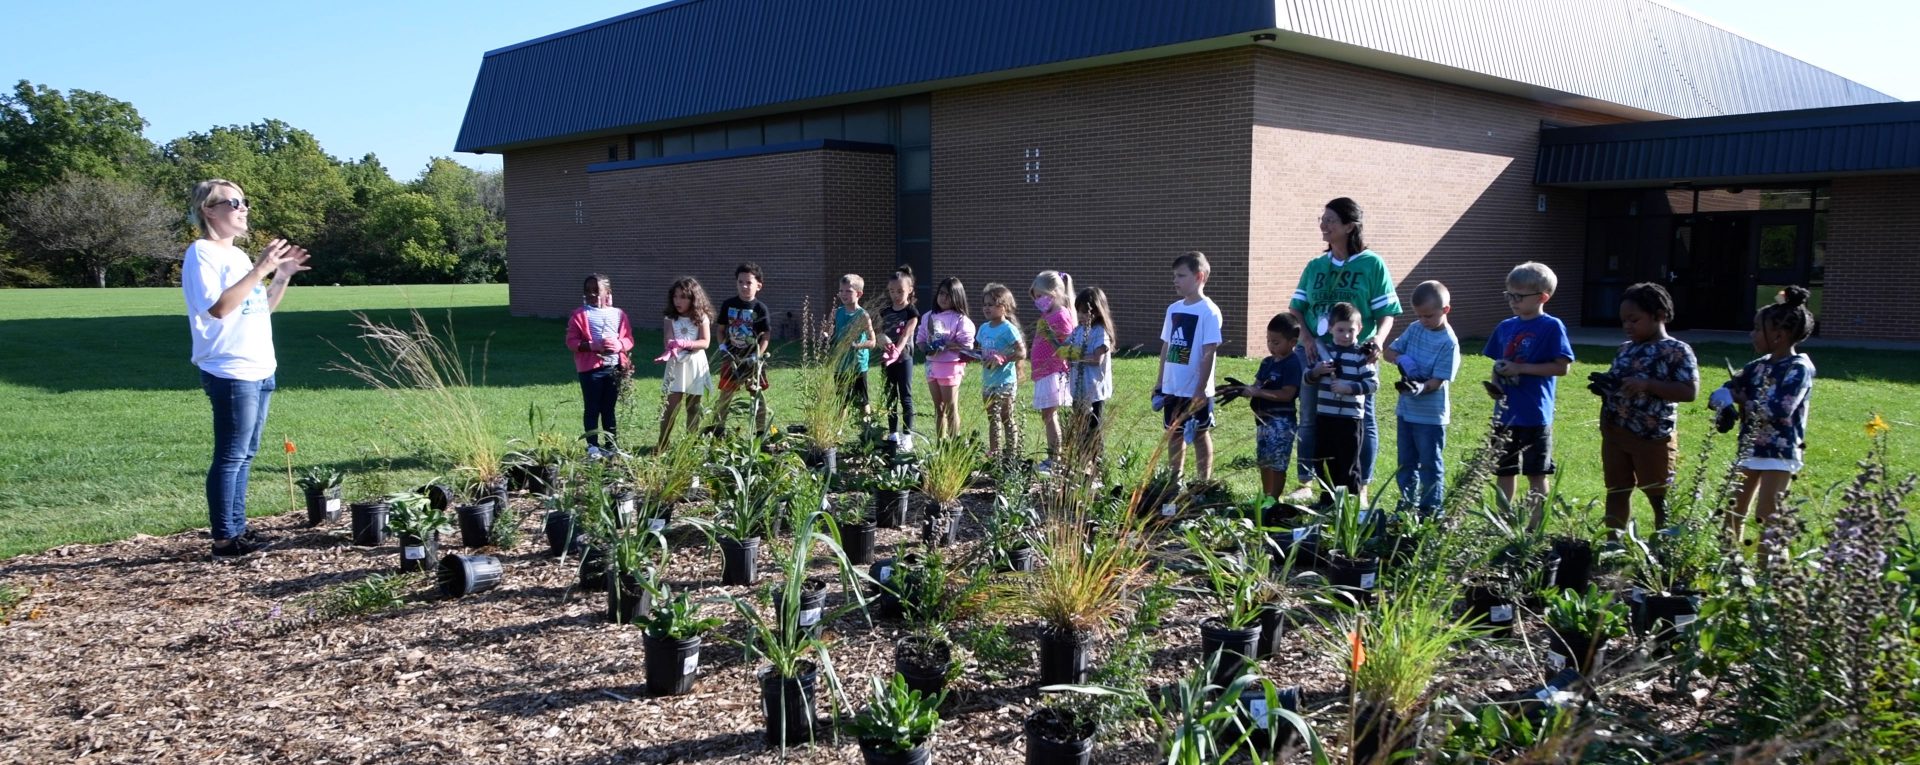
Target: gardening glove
(1159, 400)
(1721, 399)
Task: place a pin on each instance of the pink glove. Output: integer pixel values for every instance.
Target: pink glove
(892, 356)
(673, 346)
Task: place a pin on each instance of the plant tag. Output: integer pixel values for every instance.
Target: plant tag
(1556, 661)
(1300, 533)
(1168, 510)
(333, 505)
(626, 508)
(1683, 620)
(690, 665)
(657, 524)
(1500, 614)
(809, 617)
(1366, 580)
(886, 573)
(1258, 708)
(1546, 693)
(414, 553)
(1361, 519)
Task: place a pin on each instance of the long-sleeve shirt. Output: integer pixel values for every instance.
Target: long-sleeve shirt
(1778, 391)
(1350, 366)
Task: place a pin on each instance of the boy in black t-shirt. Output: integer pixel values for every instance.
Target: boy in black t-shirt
(1275, 387)
(744, 330)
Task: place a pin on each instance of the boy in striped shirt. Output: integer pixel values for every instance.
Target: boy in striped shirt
(1342, 379)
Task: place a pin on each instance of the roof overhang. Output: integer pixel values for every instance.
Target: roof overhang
(1770, 147)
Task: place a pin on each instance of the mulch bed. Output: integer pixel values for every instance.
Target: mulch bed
(142, 651)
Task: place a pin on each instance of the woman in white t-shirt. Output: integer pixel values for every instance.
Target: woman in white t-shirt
(229, 313)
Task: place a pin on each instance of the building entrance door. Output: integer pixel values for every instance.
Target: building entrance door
(1708, 271)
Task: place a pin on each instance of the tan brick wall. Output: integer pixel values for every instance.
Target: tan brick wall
(1138, 163)
(1873, 259)
(549, 231)
(1443, 173)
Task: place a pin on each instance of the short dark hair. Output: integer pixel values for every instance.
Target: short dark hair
(1285, 323)
(1789, 314)
(1348, 211)
(1432, 293)
(750, 267)
(1195, 261)
(1342, 312)
(1651, 298)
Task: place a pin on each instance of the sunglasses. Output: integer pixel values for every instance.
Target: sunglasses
(1514, 297)
(236, 203)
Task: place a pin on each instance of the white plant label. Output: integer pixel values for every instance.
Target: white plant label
(1556, 661)
(809, 617)
(1683, 620)
(656, 524)
(1545, 693)
(1167, 510)
(333, 505)
(1366, 581)
(414, 553)
(886, 573)
(1258, 708)
(1301, 533)
(626, 507)
(1500, 614)
(690, 665)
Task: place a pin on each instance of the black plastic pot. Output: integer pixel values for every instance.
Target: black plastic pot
(468, 574)
(368, 521)
(941, 527)
(672, 665)
(813, 601)
(1266, 731)
(625, 507)
(1378, 733)
(418, 554)
(1054, 738)
(787, 703)
(563, 535)
(1575, 571)
(439, 496)
(594, 564)
(871, 754)
(924, 662)
(890, 508)
(1358, 576)
(660, 521)
(1063, 657)
(826, 461)
(1581, 653)
(856, 540)
(627, 601)
(1661, 615)
(1299, 546)
(1495, 609)
(886, 600)
(476, 523)
(1017, 559)
(323, 505)
(519, 477)
(1237, 648)
(739, 560)
(1273, 627)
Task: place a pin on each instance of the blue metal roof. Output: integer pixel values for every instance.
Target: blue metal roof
(1749, 148)
(706, 60)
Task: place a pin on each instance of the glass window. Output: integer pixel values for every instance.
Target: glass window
(783, 129)
(916, 169)
(1777, 247)
(821, 124)
(916, 216)
(646, 146)
(869, 123)
(743, 134)
(710, 138)
(676, 143)
(916, 121)
(1786, 199)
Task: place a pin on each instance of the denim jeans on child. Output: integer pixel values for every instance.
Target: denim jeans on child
(1421, 467)
(239, 416)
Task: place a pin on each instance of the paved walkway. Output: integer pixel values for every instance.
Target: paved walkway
(1612, 336)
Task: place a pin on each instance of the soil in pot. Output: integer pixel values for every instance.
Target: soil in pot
(1057, 738)
(856, 540)
(1063, 657)
(323, 506)
(787, 704)
(368, 523)
(627, 601)
(739, 561)
(1358, 576)
(476, 523)
(468, 574)
(1236, 647)
(1494, 608)
(924, 662)
(889, 508)
(672, 665)
(872, 754)
(813, 601)
(418, 554)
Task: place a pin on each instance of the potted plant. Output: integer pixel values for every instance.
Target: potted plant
(1236, 584)
(1061, 730)
(892, 488)
(636, 559)
(1581, 624)
(1159, 497)
(947, 470)
(1390, 654)
(857, 529)
(1669, 571)
(1081, 587)
(1011, 532)
(672, 643)
(1347, 543)
(322, 489)
(367, 519)
(897, 726)
(932, 597)
(1200, 721)
(419, 524)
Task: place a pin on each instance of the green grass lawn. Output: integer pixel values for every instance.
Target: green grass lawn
(108, 434)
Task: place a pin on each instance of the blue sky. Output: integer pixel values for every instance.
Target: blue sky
(393, 77)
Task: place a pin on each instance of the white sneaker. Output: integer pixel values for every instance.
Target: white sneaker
(906, 442)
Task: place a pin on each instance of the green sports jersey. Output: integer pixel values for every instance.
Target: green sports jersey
(1362, 280)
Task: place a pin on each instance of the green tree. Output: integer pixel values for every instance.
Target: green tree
(473, 214)
(45, 134)
(84, 224)
(291, 183)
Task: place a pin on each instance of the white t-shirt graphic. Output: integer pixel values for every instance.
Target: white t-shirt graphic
(239, 346)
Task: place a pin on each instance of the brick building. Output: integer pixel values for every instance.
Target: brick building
(991, 139)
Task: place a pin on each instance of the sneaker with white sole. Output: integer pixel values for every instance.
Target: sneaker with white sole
(594, 453)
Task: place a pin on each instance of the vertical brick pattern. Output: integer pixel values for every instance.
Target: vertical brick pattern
(1137, 163)
(1873, 259)
(1443, 173)
(549, 231)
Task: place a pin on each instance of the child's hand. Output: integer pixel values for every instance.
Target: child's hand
(1503, 368)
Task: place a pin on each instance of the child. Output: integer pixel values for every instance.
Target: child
(1428, 354)
(897, 326)
(944, 335)
(1638, 415)
(1001, 347)
(1529, 350)
(1342, 380)
(1189, 338)
(685, 378)
(852, 336)
(1772, 394)
(1275, 387)
(1052, 293)
(600, 337)
(1092, 357)
(744, 361)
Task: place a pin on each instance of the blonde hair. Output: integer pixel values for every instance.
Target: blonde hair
(998, 294)
(853, 280)
(1059, 284)
(203, 197)
(1533, 274)
(1432, 293)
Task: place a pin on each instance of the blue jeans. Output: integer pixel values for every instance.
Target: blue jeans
(1422, 470)
(1303, 437)
(600, 389)
(239, 416)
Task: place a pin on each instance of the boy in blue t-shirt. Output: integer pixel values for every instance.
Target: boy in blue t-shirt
(1528, 351)
(1428, 355)
(1275, 387)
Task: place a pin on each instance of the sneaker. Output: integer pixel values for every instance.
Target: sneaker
(1044, 468)
(234, 549)
(906, 442)
(594, 453)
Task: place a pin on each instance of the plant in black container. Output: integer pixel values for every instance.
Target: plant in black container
(322, 489)
(1061, 730)
(1349, 545)
(946, 472)
(1581, 624)
(857, 530)
(672, 643)
(1081, 586)
(1391, 654)
(637, 557)
(1670, 571)
(741, 518)
(1238, 585)
(418, 524)
(1011, 531)
(933, 596)
(892, 489)
(897, 725)
(1198, 721)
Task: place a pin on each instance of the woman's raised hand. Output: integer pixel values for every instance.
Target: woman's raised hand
(285, 259)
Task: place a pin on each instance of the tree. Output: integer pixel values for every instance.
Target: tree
(290, 181)
(85, 223)
(45, 134)
(472, 210)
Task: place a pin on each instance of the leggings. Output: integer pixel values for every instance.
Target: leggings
(1337, 453)
(899, 394)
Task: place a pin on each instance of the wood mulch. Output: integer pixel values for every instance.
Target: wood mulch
(143, 651)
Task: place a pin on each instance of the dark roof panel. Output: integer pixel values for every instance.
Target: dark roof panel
(1843, 140)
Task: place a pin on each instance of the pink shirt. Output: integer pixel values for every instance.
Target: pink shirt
(1045, 353)
(579, 331)
(957, 329)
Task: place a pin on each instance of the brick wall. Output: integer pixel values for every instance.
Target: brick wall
(1443, 173)
(1873, 259)
(1137, 163)
(549, 232)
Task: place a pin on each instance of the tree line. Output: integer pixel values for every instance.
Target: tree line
(87, 200)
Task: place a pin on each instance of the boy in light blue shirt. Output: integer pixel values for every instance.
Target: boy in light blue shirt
(1428, 355)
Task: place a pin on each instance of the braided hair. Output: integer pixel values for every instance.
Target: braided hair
(1789, 314)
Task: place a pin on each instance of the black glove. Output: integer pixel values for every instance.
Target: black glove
(1725, 419)
(1409, 387)
(1603, 384)
(1494, 391)
(1232, 392)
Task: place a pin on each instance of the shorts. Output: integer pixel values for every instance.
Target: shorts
(1529, 450)
(1629, 462)
(730, 378)
(1052, 392)
(1175, 409)
(1783, 465)
(1273, 444)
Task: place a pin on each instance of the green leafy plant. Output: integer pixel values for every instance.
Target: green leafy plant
(412, 515)
(850, 508)
(1674, 560)
(1084, 583)
(1392, 652)
(1239, 584)
(504, 533)
(1347, 528)
(368, 595)
(948, 468)
(1200, 723)
(898, 719)
(321, 479)
(676, 618)
(1593, 613)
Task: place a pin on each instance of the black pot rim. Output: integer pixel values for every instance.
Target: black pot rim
(1087, 728)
